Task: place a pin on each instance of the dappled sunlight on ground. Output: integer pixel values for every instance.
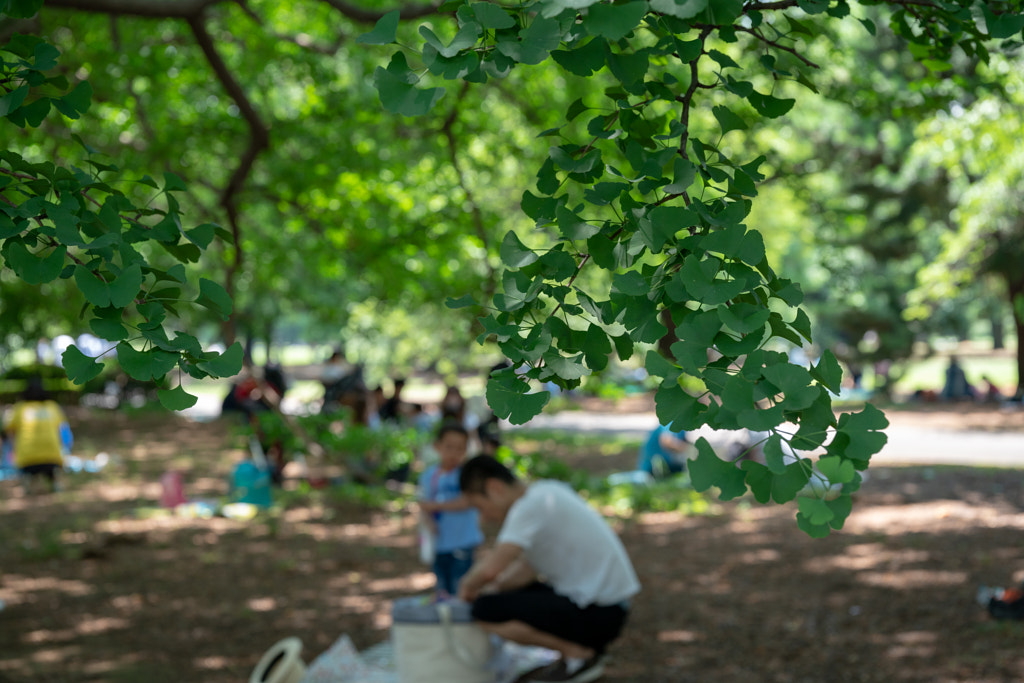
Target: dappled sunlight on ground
(102, 585)
(934, 516)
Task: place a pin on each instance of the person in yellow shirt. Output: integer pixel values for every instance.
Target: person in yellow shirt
(39, 429)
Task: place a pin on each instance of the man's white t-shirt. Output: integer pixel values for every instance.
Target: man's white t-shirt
(570, 545)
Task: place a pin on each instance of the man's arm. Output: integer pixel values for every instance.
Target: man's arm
(488, 569)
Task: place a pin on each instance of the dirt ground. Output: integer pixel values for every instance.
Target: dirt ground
(99, 586)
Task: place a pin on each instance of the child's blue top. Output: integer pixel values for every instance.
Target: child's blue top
(651, 449)
(455, 530)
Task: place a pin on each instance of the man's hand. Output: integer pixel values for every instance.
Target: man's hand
(487, 570)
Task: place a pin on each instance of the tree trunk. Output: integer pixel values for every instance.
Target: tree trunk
(1016, 292)
(998, 330)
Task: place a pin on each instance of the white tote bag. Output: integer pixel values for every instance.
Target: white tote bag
(438, 643)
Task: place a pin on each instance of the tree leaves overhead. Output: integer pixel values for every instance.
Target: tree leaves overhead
(60, 223)
(648, 191)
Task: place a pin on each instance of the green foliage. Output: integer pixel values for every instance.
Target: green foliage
(73, 223)
(623, 500)
(363, 451)
(647, 191)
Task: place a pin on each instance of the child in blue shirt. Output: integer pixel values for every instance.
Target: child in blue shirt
(446, 512)
(664, 452)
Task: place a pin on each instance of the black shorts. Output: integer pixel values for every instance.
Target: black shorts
(47, 470)
(542, 608)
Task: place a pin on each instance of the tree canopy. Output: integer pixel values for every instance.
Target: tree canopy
(622, 228)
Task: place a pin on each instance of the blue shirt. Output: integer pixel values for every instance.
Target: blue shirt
(455, 530)
(651, 449)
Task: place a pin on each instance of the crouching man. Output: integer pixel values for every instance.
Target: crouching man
(558, 577)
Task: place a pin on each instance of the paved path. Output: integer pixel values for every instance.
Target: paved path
(908, 445)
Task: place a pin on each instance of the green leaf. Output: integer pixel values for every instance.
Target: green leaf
(728, 120)
(95, 290)
(514, 253)
(79, 367)
(226, 364)
(397, 92)
(709, 470)
(623, 346)
(507, 396)
(32, 268)
(584, 60)
(572, 227)
(108, 328)
(213, 297)
(12, 100)
(761, 419)
(173, 183)
(697, 275)
(463, 301)
(596, 348)
(466, 37)
(815, 510)
(126, 286)
(8, 228)
(812, 530)
(491, 16)
(630, 283)
(76, 102)
(540, 209)
(1003, 25)
(176, 398)
(145, 365)
(673, 405)
(743, 318)
(772, 107)
(614, 22)
(724, 61)
(752, 250)
(802, 324)
(781, 488)
(774, 457)
(384, 32)
(696, 334)
(560, 366)
(862, 431)
(630, 69)
(828, 372)
(202, 235)
(539, 38)
(659, 366)
(836, 469)
(683, 175)
(681, 9)
(662, 223)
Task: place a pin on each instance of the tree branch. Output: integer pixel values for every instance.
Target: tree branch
(774, 43)
(191, 9)
(259, 139)
(453, 155)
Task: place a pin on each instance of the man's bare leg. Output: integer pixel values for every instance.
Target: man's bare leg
(524, 634)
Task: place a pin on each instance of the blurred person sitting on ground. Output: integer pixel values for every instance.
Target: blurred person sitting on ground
(558, 576)
(249, 397)
(41, 435)
(453, 405)
(344, 388)
(991, 393)
(664, 452)
(392, 410)
(446, 512)
(956, 388)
